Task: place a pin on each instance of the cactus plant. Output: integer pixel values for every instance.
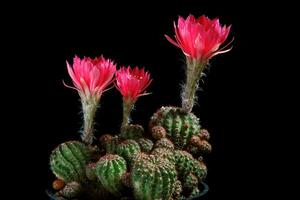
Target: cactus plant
(110, 169)
(132, 131)
(153, 178)
(68, 161)
(186, 164)
(180, 126)
(109, 143)
(164, 163)
(145, 144)
(128, 149)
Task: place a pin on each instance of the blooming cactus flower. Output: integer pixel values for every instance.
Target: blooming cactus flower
(200, 38)
(91, 77)
(132, 83)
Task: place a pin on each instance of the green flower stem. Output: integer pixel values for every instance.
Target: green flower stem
(127, 108)
(89, 108)
(193, 75)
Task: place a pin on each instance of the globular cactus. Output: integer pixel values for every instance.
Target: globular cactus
(68, 161)
(164, 148)
(186, 164)
(153, 178)
(132, 131)
(200, 143)
(180, 126)
(158, 132)
(128, 149)
(109, 143)
(164, 153)
(145, 144)
(110, 169)
(164, 143)
(190, 181)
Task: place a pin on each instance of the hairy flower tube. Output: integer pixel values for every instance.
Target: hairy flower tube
(132, 84)
(91, 77)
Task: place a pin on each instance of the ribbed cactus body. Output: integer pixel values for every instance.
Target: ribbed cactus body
(145, 144)
(153, 178)
(110, 169)
(186, 164)
(132, 131)
(190, 181)
(164, 153)
(68, 161)
(128, 149)
(179, 125)
(164, 143)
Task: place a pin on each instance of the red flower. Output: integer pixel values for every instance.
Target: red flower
(200, 38)
(132, 83)
(91, 77)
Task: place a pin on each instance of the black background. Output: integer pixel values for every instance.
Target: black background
(132, 33)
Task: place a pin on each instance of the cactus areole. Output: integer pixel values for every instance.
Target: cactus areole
(164, 161)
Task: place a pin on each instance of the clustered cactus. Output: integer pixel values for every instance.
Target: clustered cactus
(140, 168)
(164, 161)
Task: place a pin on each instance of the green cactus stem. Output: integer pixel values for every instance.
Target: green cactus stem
(68, 161)
(186, 164)
(153, 178)
(164, 143)
(132, 131)
(164, 153)
(179, 125)
(128, 149)
(145, 144)
(110, 169)
(109, 143)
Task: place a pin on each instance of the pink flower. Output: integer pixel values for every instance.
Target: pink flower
(200, 38)
(91, 77)
(132, 83)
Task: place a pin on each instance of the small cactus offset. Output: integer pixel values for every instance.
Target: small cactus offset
(109, 143)
(153, 178)
(132, 131)
(165, 162)
(110, 169)
(145, 144)
(68, 161)
(180, 126)
(186, 164)
(128, 149)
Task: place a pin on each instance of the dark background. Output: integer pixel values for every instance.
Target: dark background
(132, 33)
